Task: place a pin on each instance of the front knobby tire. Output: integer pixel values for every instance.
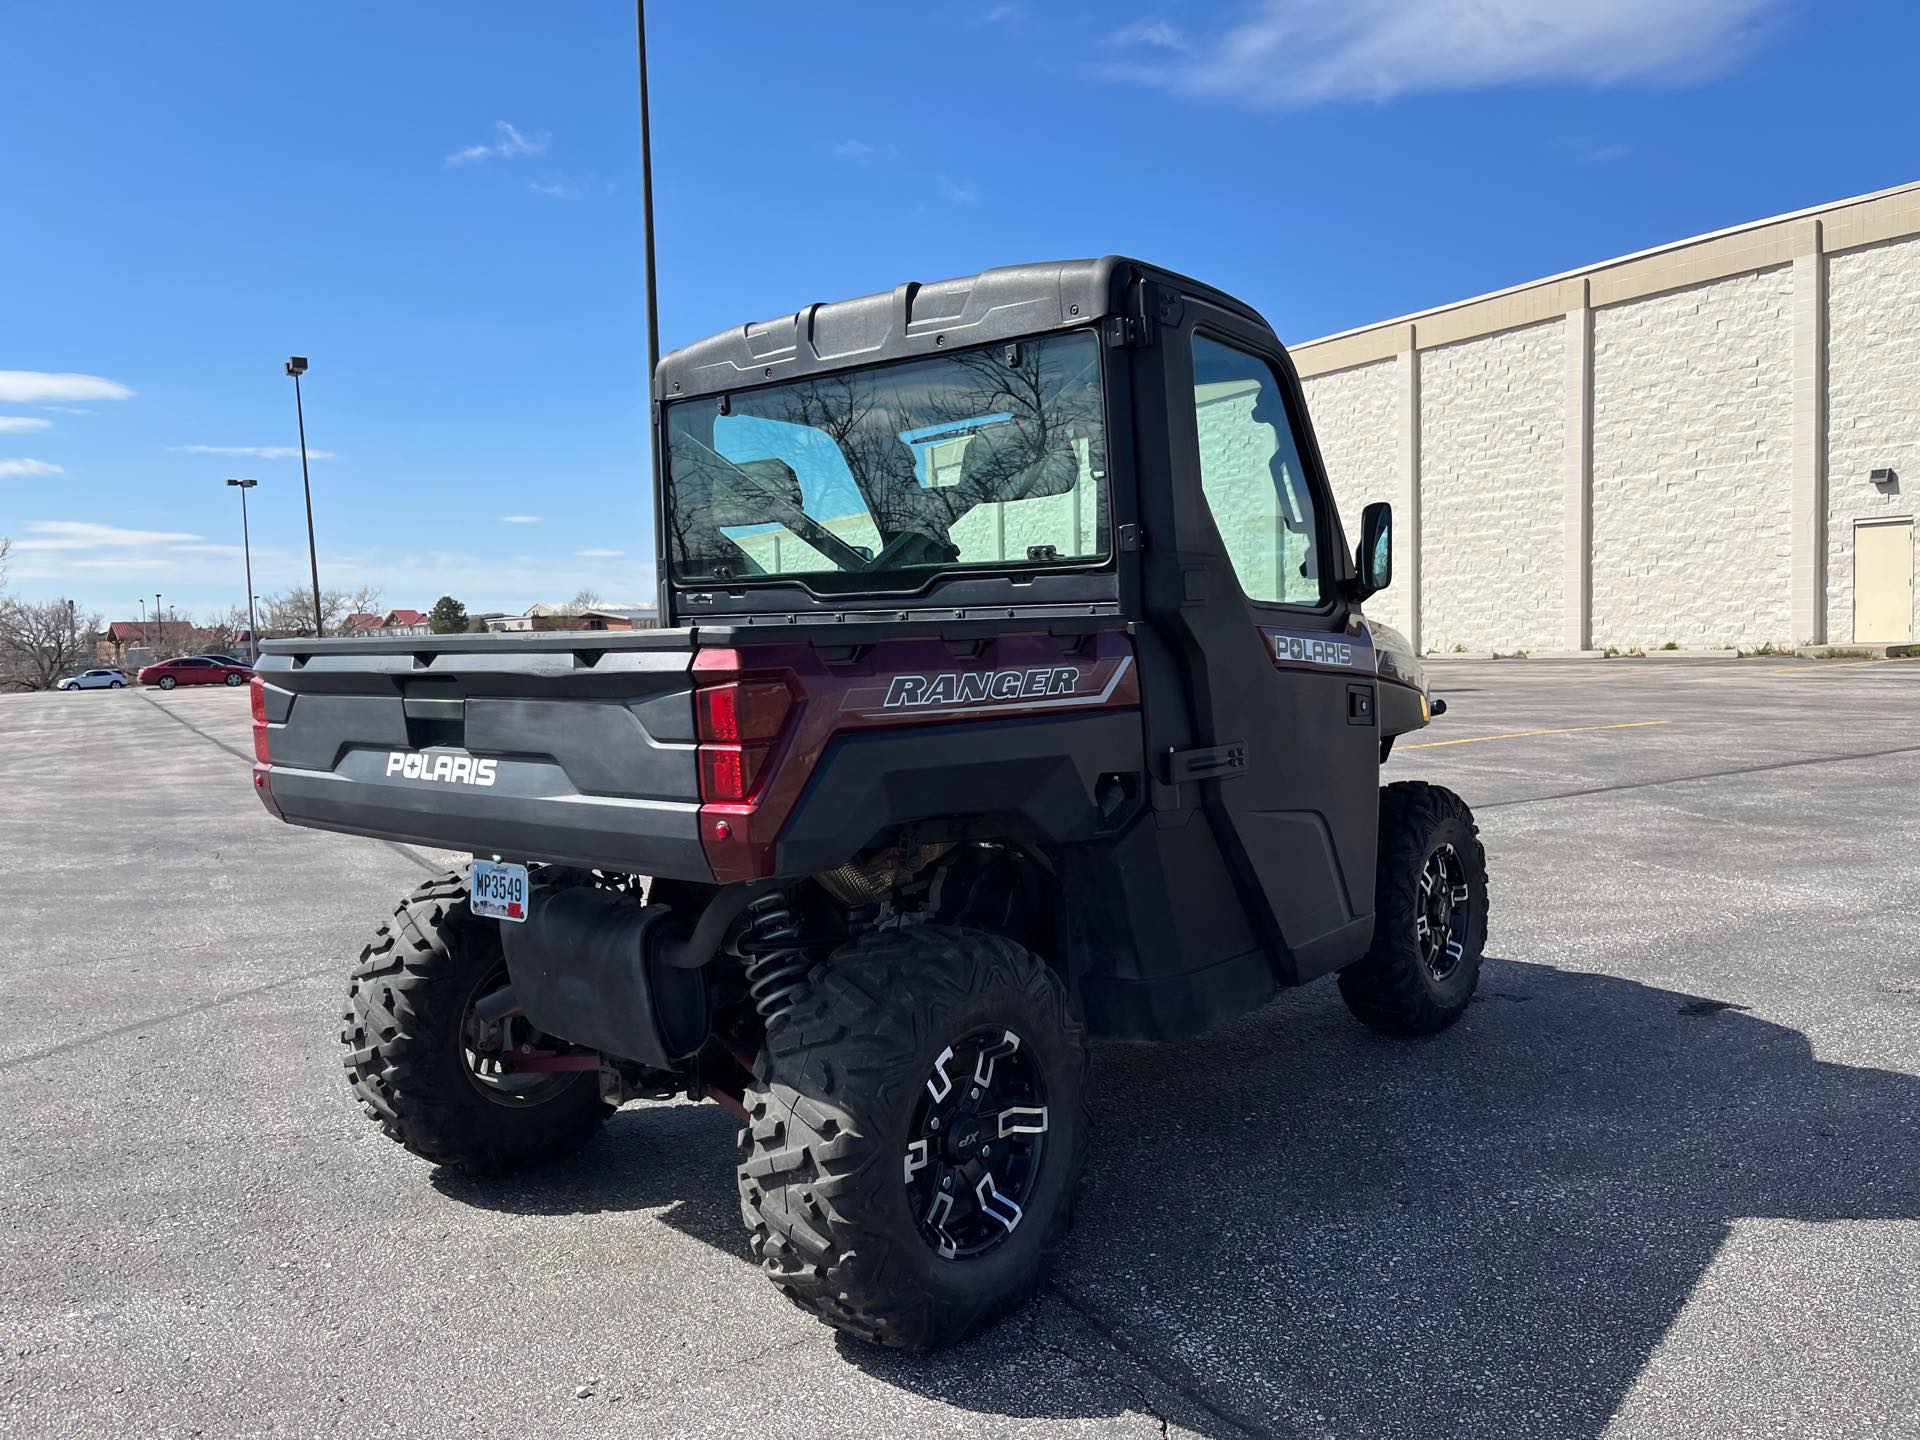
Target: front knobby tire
(408, 1008)
(835, 1175)
(1430, 915)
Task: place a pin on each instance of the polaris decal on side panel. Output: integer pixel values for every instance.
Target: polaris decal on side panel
(451, 769)
(1321, 651)
(976, 686)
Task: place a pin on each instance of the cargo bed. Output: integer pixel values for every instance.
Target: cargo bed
(589, 738)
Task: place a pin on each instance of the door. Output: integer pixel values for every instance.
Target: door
(1276, 663)
(1882, 581)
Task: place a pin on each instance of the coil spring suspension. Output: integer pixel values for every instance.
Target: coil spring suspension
(776, 962)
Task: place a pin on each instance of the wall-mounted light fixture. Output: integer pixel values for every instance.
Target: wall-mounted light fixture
(1884, 477)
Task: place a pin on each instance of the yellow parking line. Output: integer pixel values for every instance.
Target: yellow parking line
(1528, 734)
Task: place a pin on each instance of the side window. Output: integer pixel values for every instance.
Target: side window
(1251, 474)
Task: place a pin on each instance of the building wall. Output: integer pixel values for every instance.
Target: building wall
(1671, 446)
(1692, 432)
(1873, 403)
(1354, 419)
(1492, 426)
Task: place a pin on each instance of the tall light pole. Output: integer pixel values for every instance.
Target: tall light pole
(160, 624)
(646, 194)
(142, 602)
(246, 548)
(296, 367)
(653, 289)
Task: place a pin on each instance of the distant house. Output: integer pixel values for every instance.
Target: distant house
(619, 617)
(547, 616)
(359, 623)
(160, 637)
(405, 622)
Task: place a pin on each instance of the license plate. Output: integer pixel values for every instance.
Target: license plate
(499, 890)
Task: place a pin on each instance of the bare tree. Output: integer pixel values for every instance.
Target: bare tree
(291, 612)
(42, 643)
(584, 601)
(5, 546)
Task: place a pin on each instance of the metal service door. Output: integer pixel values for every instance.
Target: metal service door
(1882, 581)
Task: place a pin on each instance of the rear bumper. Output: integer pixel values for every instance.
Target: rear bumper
(651, 837)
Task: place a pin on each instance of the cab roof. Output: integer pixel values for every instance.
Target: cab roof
(915, 319)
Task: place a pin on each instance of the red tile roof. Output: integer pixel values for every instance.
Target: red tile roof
(406, 617)
(138, 632)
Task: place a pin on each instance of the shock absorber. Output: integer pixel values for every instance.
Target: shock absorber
(776, 963)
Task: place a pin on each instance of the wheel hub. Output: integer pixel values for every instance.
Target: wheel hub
(1444, 909)
(486, 1048)
(975, 1143)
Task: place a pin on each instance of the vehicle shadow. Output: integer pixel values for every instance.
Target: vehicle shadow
(1294, 1225)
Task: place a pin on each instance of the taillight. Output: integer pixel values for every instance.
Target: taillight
(259, 700)
(737, 721)
(742, 710)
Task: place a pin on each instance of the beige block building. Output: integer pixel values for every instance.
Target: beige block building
(1714, 443)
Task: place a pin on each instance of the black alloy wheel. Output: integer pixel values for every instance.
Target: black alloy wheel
(1444, 916)
(978, 1140)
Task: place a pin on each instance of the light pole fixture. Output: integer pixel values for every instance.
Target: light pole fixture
(142, 603)
(296, 367)
(246, 548)
(159, 623)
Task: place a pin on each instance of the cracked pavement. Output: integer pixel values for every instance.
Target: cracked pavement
(1664, 1180)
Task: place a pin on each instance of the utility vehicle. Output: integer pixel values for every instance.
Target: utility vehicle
(1013, 690)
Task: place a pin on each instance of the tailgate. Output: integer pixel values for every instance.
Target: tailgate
(573, 747)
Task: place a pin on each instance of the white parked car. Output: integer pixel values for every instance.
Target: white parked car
(95, 680)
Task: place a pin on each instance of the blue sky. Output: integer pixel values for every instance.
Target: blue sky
(439, 205)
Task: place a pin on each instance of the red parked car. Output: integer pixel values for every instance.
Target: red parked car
(193, 670)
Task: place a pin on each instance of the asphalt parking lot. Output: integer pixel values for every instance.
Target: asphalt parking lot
(1664, 1180)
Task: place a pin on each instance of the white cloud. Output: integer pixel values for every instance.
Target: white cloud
(852, 148)
(258, 452)
(17, 424)
(558, 188)
(510, 145)
(1302, 52)
(1151, 31)
(14, 469)
(41, 387)
(599, 554)
(91, 535)
(960, 193)
(521, 519)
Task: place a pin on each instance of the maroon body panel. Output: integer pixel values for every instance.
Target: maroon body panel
(898, 682)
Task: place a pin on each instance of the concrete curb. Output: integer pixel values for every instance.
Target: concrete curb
(1858, 652)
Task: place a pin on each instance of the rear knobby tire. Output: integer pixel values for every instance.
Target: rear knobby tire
(408, 1000)
(1411, 982)
(821, 1178)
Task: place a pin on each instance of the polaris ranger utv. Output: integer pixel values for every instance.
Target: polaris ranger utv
(1013, 690)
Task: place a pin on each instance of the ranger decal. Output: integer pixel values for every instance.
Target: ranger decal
(974, 686)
